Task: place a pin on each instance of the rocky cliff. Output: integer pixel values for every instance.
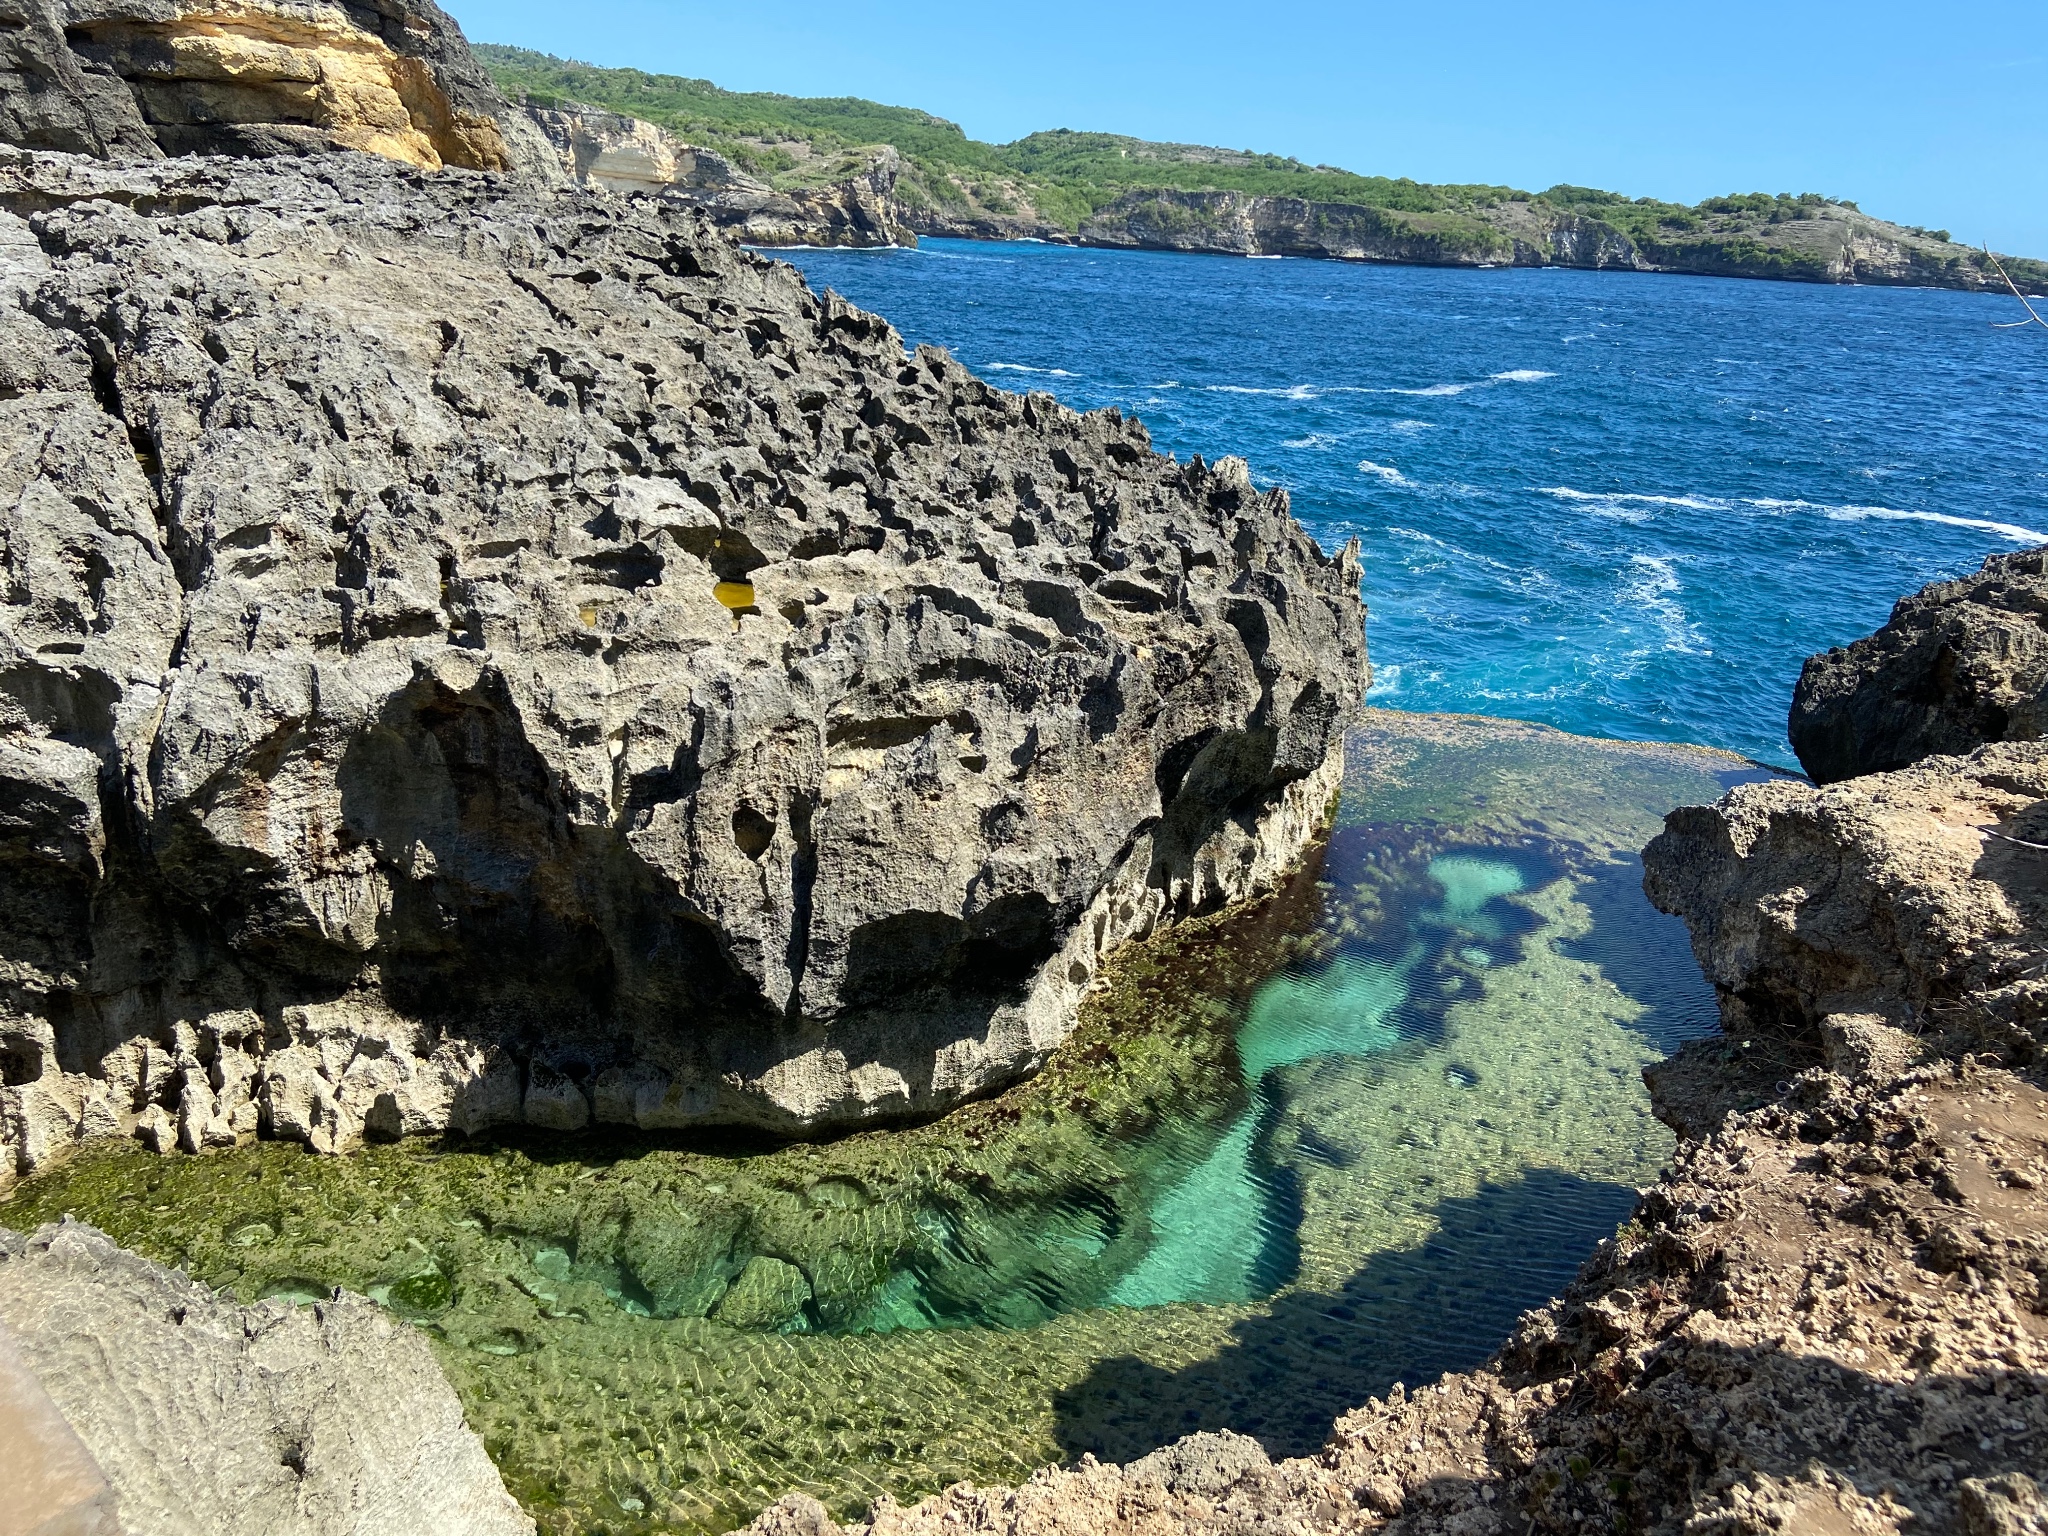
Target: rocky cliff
(623, 154)
(197, 1417)
(481, 657)
(1831, 1313)
(167, 77)
(1960, 663)
(1116, 190)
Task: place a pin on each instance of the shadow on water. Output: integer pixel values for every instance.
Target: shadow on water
(1645, 953)
(1407, 1316)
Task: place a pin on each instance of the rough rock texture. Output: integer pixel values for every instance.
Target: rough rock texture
(1919, 898)
(260, 77)
(1960, 663)
(54, 1487)
(1830, 1315)
(379, 754)
(213, 1419)
(624, 154)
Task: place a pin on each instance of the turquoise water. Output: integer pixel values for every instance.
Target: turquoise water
(1295, 1153)
(1623, 505)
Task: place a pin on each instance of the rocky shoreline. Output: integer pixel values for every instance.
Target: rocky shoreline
(482, 653)
(489, 655)
(1831, 1314)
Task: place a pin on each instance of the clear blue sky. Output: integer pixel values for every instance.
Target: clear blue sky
(1928, 117)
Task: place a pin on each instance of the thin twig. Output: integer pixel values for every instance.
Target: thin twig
(2033, 315)
(1993, 832)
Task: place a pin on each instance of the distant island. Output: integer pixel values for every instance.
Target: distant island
(792, 170)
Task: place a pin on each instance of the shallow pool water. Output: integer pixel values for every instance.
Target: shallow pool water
(1294, 1154)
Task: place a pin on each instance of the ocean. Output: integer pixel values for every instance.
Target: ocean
(1623, 504)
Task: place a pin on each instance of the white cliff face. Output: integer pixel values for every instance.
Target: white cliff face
(616, 153)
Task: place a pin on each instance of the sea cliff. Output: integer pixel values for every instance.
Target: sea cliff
(854, 172)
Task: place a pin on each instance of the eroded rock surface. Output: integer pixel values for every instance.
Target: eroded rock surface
(1831, 1313)
(214, 1419)
(476, 657)
(1916, 899)
(1960, 663)
(257, 77)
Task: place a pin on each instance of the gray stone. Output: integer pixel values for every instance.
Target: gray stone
(1959, 664)
(1912, 899)
(213, 1419)
(375, 741)
(54, 1487)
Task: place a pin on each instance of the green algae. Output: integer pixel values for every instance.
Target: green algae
(1292, 1155)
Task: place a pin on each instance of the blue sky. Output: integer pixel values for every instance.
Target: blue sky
(1929, 118)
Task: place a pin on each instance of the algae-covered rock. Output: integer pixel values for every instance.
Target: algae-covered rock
(768, 1294)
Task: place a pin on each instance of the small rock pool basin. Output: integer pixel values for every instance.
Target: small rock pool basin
(1294, 1154)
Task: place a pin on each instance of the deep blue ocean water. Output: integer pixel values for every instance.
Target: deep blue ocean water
(1626, 505)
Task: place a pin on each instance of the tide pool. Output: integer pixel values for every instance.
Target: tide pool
(1296, 1153)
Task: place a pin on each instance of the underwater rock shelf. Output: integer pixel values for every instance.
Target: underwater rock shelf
(1293, 1154)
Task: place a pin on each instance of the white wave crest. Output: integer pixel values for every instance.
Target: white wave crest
(1636, 499)
(1053, 373)
(1617, 500)
(1292, 392)
(1386, 472)
(1855, 514)
(1521, 376)
(1654, 589)
(1435, 389)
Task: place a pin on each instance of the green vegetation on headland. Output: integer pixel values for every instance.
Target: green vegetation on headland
(1109, 189)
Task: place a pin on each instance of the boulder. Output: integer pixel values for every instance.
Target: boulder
(1912, 902)
(474, 655)
(1960, 663)
(209, 1418)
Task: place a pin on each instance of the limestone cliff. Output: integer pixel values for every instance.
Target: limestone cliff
(479, 657)
(623, 154)
(255, 77)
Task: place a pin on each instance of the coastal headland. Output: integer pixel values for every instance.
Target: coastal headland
(783, 170)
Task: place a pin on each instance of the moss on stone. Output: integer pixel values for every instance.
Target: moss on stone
(668, 1335)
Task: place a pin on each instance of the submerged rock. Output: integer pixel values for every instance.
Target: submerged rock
(477, 657)
(1960, 663)
(1831, 1311)
(211, 1418)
